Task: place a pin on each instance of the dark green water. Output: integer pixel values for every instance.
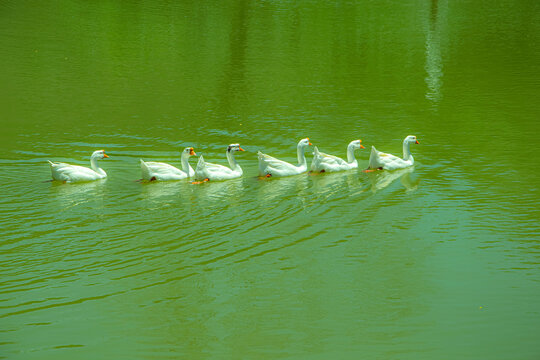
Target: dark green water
(438, 262)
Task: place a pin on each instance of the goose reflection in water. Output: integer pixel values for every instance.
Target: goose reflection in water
(276, 189)
(162, 193)
(219, 190)
(337, 185)
(382, 179)
(71, 195)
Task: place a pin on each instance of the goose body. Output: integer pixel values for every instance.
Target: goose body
(270, 166)
(75, 173)
(328, 163)
(383, 161)
(208, 171)
(160, 171)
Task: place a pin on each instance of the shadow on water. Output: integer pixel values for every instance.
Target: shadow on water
(233, 85)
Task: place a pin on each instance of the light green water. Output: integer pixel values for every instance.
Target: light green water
(438, 262)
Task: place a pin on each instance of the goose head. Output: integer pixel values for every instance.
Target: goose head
(187, 152)
(411, 139)
(356, 144)
(234, 147)
(99, 154)
(304, 142)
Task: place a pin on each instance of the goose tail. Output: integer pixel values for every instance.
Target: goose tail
(145, 171)
(315, 163)
(374, 158)
(200, 170)
(201, 164)
(262, 164)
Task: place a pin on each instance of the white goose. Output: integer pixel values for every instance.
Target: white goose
(75, 173)
(323, 162)
(207, 171)
(162, 171)
(270, 166)
(383, 161)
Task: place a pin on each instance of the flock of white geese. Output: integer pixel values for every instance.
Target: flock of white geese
(268, 166)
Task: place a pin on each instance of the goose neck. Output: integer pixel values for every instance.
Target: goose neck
(184, 159)
(350, 154)
(94, 165)
(407, 151)
(232, 161)
(301, 156)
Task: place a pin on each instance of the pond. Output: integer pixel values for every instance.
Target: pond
(437, 261)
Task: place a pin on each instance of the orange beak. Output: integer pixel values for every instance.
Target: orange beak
(191, 152)
(239, 148)
(309, 142)
(105, 155)
(417, 142)
(362, 146)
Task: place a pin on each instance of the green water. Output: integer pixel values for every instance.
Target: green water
(441, 261)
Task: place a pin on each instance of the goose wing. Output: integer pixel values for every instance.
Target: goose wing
(331, 159)
(392, 162)
(267, 161)
(163, 168)
(378, 159)
(213, 171)
(66, 172)
(161, 171)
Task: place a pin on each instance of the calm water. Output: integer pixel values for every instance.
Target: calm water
(441, 261)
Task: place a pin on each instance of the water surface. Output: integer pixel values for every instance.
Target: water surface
(440, 261)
